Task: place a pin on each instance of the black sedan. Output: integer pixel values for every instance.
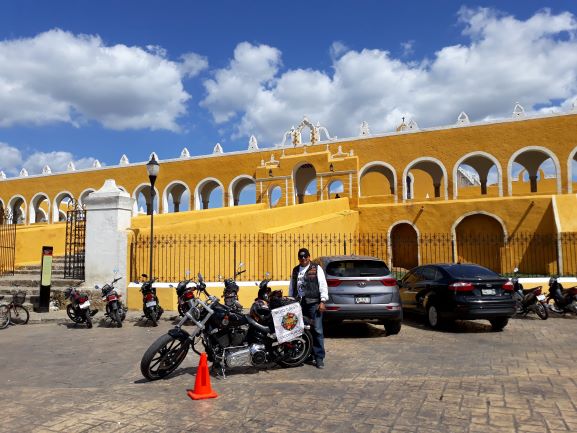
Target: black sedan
(447, 292)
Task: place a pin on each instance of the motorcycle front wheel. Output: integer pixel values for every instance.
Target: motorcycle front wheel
(88, 318)
(117, 317)
(542, 311)
(296, 351)
(163, 357)
(71, 311)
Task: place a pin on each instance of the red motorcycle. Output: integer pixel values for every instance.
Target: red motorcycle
(79, 308)
(114, 308)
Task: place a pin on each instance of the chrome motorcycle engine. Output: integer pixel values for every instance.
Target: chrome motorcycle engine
(246, 356)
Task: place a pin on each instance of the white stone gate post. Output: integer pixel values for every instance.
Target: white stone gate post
(108, 216)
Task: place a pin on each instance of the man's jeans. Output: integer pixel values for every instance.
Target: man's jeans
(312, 312)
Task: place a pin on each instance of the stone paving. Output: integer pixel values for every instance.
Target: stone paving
(59, 378)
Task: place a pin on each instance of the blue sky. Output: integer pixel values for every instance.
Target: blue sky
(84, 80)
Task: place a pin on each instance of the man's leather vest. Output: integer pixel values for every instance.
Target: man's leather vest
(310, 287)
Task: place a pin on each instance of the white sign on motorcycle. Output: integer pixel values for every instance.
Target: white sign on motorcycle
(288, 322)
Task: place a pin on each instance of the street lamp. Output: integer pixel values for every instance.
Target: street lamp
(152, 168)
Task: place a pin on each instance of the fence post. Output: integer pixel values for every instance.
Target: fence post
(345, 245)
(234, 257)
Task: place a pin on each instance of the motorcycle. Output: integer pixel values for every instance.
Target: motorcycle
(184, 294)
(229, 337)
(531, 301)
(79, 307)
(561, 300)
(114, 308)
(150, 305)
(230, 293)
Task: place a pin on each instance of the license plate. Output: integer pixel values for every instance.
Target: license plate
(85, 305)
(362, 299)
(541, 297)
(488, 291)
(151, 304)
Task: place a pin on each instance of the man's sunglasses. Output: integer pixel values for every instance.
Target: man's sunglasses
(302, 256)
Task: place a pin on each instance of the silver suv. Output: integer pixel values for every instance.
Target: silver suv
(361, 287)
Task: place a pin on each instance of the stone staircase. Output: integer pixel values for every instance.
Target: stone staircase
(27, 278)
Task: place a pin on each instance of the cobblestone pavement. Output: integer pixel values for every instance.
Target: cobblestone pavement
(57, 378)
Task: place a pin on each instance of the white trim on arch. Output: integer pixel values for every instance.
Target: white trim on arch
(390, 241)
(430, 159)
(233, 184)
(83, 192)
(469, 155)
(570, 170)
(135, 194)
(32, 210)
(56, 204)
(526, 149)
(167, 190)
(24, 205)
(201, 184)
(382, 164)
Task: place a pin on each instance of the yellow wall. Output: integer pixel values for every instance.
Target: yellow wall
(31, 239)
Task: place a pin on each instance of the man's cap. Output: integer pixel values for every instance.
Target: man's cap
(303, 252)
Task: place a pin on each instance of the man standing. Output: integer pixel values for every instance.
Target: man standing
(309, 285)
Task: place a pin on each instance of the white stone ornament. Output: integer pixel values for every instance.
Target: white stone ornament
(412, 125)
(23, 173)
(518, 111)
(217, 149)
(2, 175)
(46, 170)
(252, 143)
(364, 129)
(185, 153)
(153, 154)
(71, 166)
(124, 160)
(96, 164)
(463, 119)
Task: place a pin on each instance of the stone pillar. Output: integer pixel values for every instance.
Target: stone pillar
(533, 181)
(437, 189)
(483, 181)
(205, 204)
(176, 206)
(108, 216)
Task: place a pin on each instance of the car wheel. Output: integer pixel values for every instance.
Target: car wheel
(433, 319)
(392, 327)
(497, 325)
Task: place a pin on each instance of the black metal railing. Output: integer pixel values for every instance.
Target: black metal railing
(7, 243)
(75, 247)
(217, 255)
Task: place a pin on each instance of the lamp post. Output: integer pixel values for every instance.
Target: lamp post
(152, 168)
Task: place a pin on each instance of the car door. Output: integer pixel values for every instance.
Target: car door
(409, 289)
(423, 287)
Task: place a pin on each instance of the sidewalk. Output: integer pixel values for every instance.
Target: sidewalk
(60, 316)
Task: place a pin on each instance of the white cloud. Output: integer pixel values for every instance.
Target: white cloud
(57, 76)
(192, 64)
(12, 161)
(505, 60)
(408, 48)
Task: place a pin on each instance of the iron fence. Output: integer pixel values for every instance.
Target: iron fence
(7, 243)
(217, 255)
(75, 246)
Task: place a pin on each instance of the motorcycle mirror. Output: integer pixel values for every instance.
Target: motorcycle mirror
(187, 273)
(97, 287)
(256, 284)
(516, 270)
(115, 271)
(171, 286)
(240, 265)
(267, 275)
(200, 277)
(220, 277)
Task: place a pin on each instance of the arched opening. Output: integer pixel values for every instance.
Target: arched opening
(274, 195)
(2, 211)
(534, 170)
(425, 178)
(477, 174)
(480, 239)
(242, 191)
(39, 209)
(61, 204)
(84, 194)
(336, 189)
(377, 179)
(305, 181)
(176, 197)
(143, 201)
(17, 207)
(404, 247)
(209, 194)
(572, 171)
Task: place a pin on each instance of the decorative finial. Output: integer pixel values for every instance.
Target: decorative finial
(153, 154)
(46, 170)
(252, 143)
(23, 172)
(463, 119)
(364, 129)
(2, 175)
(185, 153)
(71, 166)
(96, 164)
(124, 160)
(518, 111)
(217, 149)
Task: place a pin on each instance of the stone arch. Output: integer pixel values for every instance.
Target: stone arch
(237, 185)
(17, 206)
(479, 237)
(173, 194)
(203, 191)
(380, 168)
(144, 189)
(303, 175)
(403, 245)
(571, 169)
(482, 163)
(85, 194)
(435, 169)
(531, 158)
(60, 197)
(35, 212)
(336, 188)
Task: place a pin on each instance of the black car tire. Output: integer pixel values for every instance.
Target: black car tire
(392, 327)
(542, 311)
(497, 325)
(433, 319)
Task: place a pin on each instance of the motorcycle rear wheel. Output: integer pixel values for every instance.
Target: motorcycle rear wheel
(117, 317)
(542, 311)
(88, 318)
(163, 357)
(71, 311)
(300, 348)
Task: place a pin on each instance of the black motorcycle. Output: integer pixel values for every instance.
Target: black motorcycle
(115, 311)
(531, 301)
(150, 305)
(184, 294)
(561, 300)
(79, 307)
(229, 338)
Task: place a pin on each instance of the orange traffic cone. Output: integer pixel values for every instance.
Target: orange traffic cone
(202, 388)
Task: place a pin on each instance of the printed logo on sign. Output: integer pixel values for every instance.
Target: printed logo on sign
(289, 321)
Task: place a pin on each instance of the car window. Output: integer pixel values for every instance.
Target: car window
(414, 276)
(471, 271)
(439, 275)
(428, 274)
(357, 268)
(411, 277)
